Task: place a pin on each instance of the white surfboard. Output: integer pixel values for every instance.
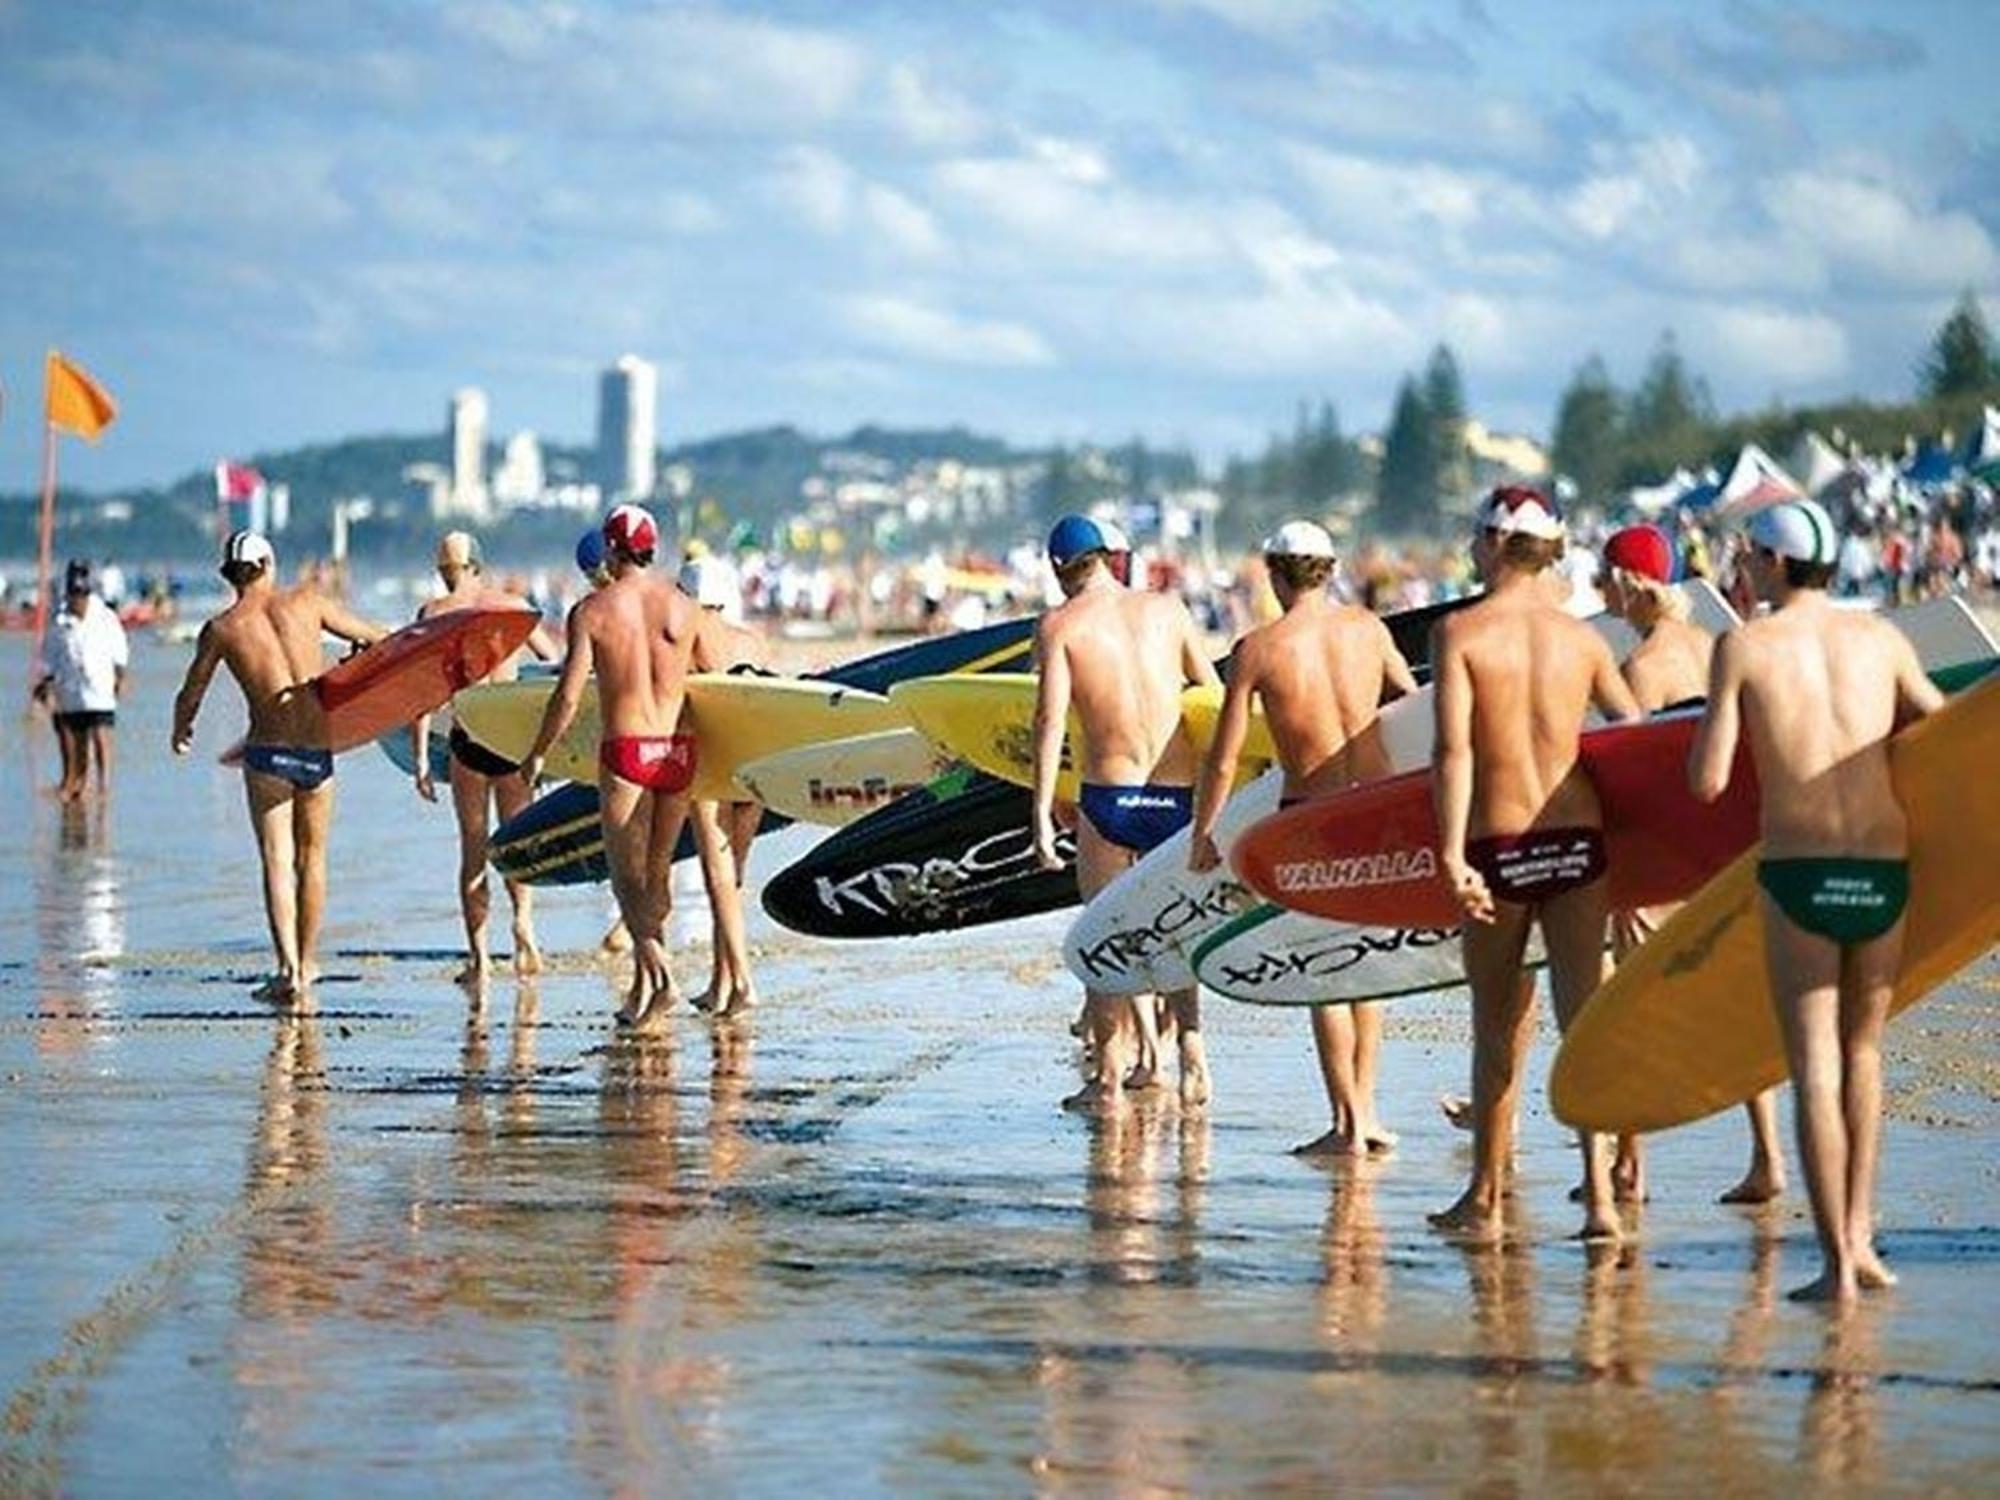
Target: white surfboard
(1139, 933)
(835, 781)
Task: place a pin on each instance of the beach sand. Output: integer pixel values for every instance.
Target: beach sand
(849, 1243)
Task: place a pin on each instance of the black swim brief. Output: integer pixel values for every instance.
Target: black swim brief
(476, 758)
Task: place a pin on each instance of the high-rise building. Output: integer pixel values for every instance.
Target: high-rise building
(468, 454)
(628, 420)
(519, 480)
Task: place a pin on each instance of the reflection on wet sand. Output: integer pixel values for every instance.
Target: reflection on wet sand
(1838, 1438)
(1354, 1285)
(79, 928)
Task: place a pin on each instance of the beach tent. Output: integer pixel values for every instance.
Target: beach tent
(1933, 466)
(1816, 462)
(1650, 499)
(1982, 449)
(1754, 482)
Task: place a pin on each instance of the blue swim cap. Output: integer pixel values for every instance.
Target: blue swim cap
(1073, 536)
(590, 551)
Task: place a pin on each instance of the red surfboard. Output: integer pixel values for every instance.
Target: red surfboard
(416, 670)
(1369, 855)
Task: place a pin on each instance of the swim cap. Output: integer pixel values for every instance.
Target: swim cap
(1644, 550)
(1799, 529)
(590, 551)
(1298, 539)
(1073, 536)
(706, 581)
(632, 529)
(1520, 510)
(248, 547)
(458, 549)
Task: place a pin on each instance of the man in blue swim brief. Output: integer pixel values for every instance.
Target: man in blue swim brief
(1118, 658)
(269, 638)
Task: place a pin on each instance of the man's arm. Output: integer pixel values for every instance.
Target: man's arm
(1218, 767)
(564, 700)
(542, 643)
(336, 619)
(1916, 695)
(1451, 772)
(187, 703)
(1396, 673)
(121, 654)
(1052, 691)
(1196, 668)
(1608, 688)
(1715, 741)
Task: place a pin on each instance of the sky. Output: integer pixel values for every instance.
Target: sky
(1077, 220)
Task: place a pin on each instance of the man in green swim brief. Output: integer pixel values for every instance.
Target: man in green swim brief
(1819, 690)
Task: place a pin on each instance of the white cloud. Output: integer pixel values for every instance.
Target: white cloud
(239, 188)
(823, 192)
(1057, 218)
(1873, 229)
(900, 222)
(922, 331)
(1752, 344)
(927, 115)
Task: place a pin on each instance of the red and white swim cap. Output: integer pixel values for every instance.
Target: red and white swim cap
(1521, 510)
(632, 530)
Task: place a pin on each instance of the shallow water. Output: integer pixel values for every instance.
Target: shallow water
(849, 1243)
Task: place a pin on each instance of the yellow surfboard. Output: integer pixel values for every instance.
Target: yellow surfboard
(989, 721)
(1686, 1026)
(735, 719)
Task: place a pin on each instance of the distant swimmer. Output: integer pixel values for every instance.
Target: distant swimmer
(1670, 666)
(1320, 670)
(1118, 659)
(723, 830)
(1519, 824)
(270, 641)
(637, 634)
(480, 779)
(1818, 691)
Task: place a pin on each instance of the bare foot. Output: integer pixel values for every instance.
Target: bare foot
(1099, 1096)
(527, 954)
(616, 939)
(707, 1001)
(274, 991)
(1142, 1077)
(1601, 1227)
(473, 975)
(1469, 1219)
(1336, 1142)
(1829, 1286)
(1870, 1274)
(1757, 1186)
(1380, 1142)
(1195, 1085)
(1457, 1109)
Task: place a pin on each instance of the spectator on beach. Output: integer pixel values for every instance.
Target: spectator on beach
(84, 660)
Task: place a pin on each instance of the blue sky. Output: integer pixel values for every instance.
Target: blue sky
(263, 225)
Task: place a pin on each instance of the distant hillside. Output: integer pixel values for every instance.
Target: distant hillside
(752, 476)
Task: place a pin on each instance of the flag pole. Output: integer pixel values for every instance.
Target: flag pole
(45, 561)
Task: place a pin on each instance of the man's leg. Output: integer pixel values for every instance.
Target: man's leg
(509, 799)
(1185, 1007)
(312, 815)
(1765, 1179)
(1573, 929)
(669, 816)
(627, 814)
(1503, 1017)
(69, 746)
(1867, 983)
(729, 978)
(1108, 1019)
(270, 800)
(1333, 1042)
(1368, 1128)
(475, 897)
(1805, 987)
(100, 744)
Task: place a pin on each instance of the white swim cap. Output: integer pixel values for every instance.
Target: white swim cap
(1798, 529)
(706, 581)
(1298, 539)
(248, 547)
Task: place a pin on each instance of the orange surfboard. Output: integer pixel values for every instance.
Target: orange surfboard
(416, 670)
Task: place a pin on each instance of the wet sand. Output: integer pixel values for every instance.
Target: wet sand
(849, 1242)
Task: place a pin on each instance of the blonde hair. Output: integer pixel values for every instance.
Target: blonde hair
(1666, 601)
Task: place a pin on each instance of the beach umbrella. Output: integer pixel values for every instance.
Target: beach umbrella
(1754, 481)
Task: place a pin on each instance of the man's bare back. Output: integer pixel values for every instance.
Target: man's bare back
(1670, 665)
(1125, 657)
(1529, 672)
(1319, 671)
(1820, 689)
(641, 633)
(479, 594)
(270, 641)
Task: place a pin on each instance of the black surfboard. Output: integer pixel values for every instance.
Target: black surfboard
(956, 853)
(557, 839)
(960, 852)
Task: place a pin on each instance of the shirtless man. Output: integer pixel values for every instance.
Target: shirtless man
(723, 830)
(1519, 825)
(270, 641)
(638, 634)
(1819, 690)
(1670, 666)
(1119, 659)
(480, 778)
(1320, 670)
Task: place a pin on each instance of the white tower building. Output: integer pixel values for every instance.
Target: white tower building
(468, 454)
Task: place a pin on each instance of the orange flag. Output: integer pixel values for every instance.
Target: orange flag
(76, 403)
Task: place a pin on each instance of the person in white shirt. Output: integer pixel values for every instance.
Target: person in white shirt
(84, 660)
